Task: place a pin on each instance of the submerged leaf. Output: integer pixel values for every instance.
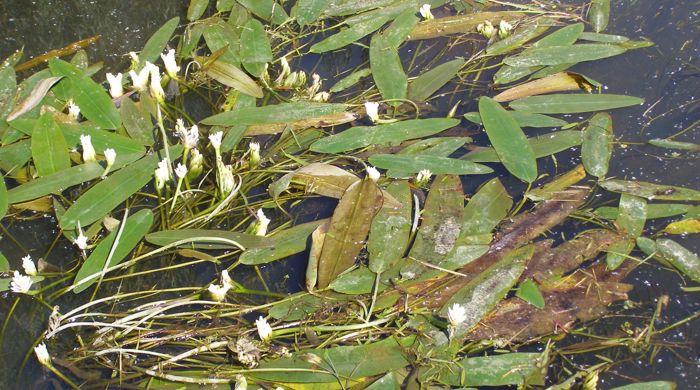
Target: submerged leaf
(671, 144)
(528, 292)
(596, 148)
(633, 215)
(459, 24)
(599, 14)
(664, 210)
(573, 103)
(681, 258)
(282, 244)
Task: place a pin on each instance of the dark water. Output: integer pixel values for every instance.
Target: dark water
(666, 75)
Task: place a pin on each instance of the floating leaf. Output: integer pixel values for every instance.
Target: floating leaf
(560, 183)
(530, 293)
(486, 209)
(596, 148)
(574, 103)
(208, 239)
(508, 140)
(348, 230)
(8, 84)
(349, 35)
(681, 258)
(222, 39)
(353, 7)
(650, 190)
(386, 67)
(35, 96)
(631, 219)
(320, 178)
(157, 42)
(563, 81)
(556, 55)
(256, 51)
(518, 38)
(268, 10)
(230, 76)
(542, 146)
(350, 80)
(307, 11)
(137, 123)
(654, 211)
(359, 281)
(134, 229)
(383, 135)
(671, 144)
(196, 9)
(603, 38)
(599, 14)
(390, 230)
(425, 85)
(282, 244)
(565, 36)
(15, 155)
(413, 163)
(49, 148)
(497, 370)
(329, 120)
(524, 119)
(685, 226)
(276, 113)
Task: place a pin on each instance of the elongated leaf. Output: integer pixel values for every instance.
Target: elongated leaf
(99, 200)
(631, 219)
(268, 10)
(320, 178)
(221, 38)
(653, 211)
(560, 183)
(49, 148)
(348, 230)
(359, 281)
(425, 85)
(307, 11)
(656, 385)
(15, 155)
(650, 190)
(283, 244)
(390, 230)
(3, 201)
(229, 75)
(565, 54)
(208, 239)
(383, 135)
(508, 140)
(352, 7)
(543, 146)
(256, 51)
(387, 70)
(137, 123)
(196, 9)
(568, 104)
(350, 80)
(8, 84)
(603, 38)
(349, 35)
(685, 226)
(135, 228)
(671, 144)
(100, 139)
(565, 36)
(681, 258)
(599, 14)
(94, 102)
(437, 165)
(40, 90)
(518, 38)
(496, 370)
(524, 119)
(157, 42)
(596, 148)
(458, 24)
(563, 81)
(278, 113)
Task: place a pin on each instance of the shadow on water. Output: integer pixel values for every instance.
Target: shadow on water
(666, 75)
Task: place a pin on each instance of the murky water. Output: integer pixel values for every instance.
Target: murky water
(667, 76)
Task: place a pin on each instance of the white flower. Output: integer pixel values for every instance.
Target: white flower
(504, 29)
(425, 12)
(215, 140)
(264, 329)
(180, 171)
(156, 89)
(115, 85)
(81, 241)
(286, 71)
(73, 110)
(162, 174)
(42, 354)
(171, 67)
(456, 314)
(226, 279)
(315, 84)
(262, 223)
(196, 164)
(218, 292)
(28, 265)
(224, 178)
(140, 80)
(110, 156)
(88, 150)
(189, 138)
(486, 29)
(254, 154)
(241, 383)
(20, 283)
(423, 177)
(134, 56)
(321, 97)
(372, 173)
(372, 109)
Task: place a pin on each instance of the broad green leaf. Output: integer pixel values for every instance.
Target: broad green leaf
(656, 385)
(559, 183)
(437, 146)
(542, 146)
(390, 230)
(102, 198)
(8, 84)
(486, 290)
(653, 211)
(15, 155)
(573, 103)
(650, 190)
(603, 38)
(307, 11)
(671, 144)
(518, 38)
(137, 122)
(234, 134)
(413, 163)
(507, 74)
(350, 80)
(268, 10)
(399, 30)
(684, 226)
(387, 70)
(565, 36)
(524, 119)
(486, 209)
(3, 202)
(631, 219)
(135, 228)
(207, 239)
(196, 9)
(425, 85)
(353, 7)
(359, 281)
(157, 42)
(681, 258)
(496, 370)
(382, 135)
(279, 113)
(94, 102)
(693, 212)
(4, 264)
(222, 38)
(231, 76)
(297, 307)
(596, 148)
(282, 244)
(530, 293)
(556, 55)
(348, 229)
(508, 140)
(49, 148)
(387, 382)
(599, 14)
(349, 35)
(224, 5)
(100, 139)
(255, 50)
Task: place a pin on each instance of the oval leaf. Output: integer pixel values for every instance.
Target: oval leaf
(596, 148)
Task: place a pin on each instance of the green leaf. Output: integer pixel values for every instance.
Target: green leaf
(573, 103)
(207, 239)
(268, 10)
(3, 202)
(390, 230)
(135, 228)
(137, 123)
(524, 119)
(413, 163)
(530, 293)
(565, 36)
(671, 144)
(49, 148)
(387, 70)
(425, 85)
(684, 226)
(94, 102)
(654, 211)
(542, 146)
(102, 198)
(8, 84)
(276, 113)
(631, 219)
(650, 190)
(508, 140)
(656, 385)
(603, 38)
(596, 148)
(100, 139)
(196, 9)
(359, 281)
(681, 258)
(520, 37)
(157, 42)
(350, 80)
(15, 155)
(308, 11)
(354, 7)
(557, 55)
(382, 135)
(221, 38)
(4, 264)
(497, 370)
(283, 244)
(256, 50)
(486, 209)
(599, 14)
(387, 382)
(349, 35)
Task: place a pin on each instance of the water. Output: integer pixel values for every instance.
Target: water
(666, 76)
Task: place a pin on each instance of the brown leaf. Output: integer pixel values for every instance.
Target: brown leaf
(558, 82)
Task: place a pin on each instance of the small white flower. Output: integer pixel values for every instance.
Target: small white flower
(28, 265)
(226, 279)
(139, 80)
(42, 354)
(263, 222)
(241, 383)
(156, 89)
(504, 29)
(286, 71)
(218, 292)
(215, 140)
(224, 178)
(253, 155)
(425, 12)
(81, 241)
(372, 173)
(264, 329)
(456, 314)
(73, 110)
(486, 29)
(321, 97)
(372, 109)
(20, 283)
(162, 174)
(115, 85)
(134, 56)
(171, 67)
(88, 149)
(315, 84)
(110, 156)
(423, 177)
(189, 138)
(180, 171)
